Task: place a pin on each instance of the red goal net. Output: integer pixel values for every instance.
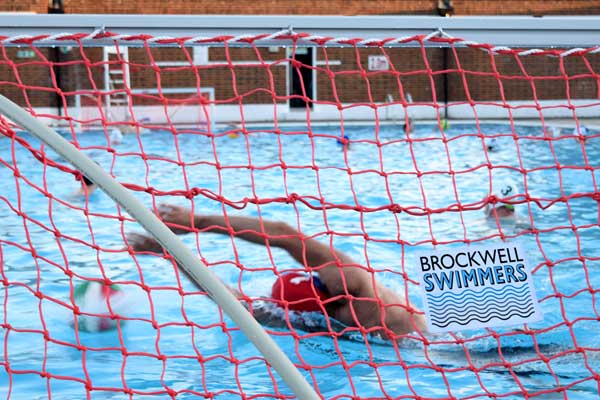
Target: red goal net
(308, 174)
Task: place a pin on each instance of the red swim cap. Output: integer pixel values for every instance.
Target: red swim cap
(301, 291)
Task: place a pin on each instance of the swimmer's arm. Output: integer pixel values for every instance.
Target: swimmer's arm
(306, 251)
(251, 229)
(340, 274)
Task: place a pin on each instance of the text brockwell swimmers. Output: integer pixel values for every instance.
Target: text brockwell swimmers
(472, 268)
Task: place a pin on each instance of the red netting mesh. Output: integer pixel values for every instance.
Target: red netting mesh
(349, 144)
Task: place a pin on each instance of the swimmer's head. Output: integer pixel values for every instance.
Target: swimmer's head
(506, 189)
(492, 145)
(581, 132)
(582, 129)
(86, 181)
(299, 292)
(87, 186)
(344, 141)
(407, 127)
(554, 131)
(116, 136)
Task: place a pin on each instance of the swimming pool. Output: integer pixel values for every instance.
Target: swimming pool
(382, 167)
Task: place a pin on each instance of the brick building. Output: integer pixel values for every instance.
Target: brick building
(331, 77)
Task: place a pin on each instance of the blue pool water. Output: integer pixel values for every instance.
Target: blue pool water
(153, 361)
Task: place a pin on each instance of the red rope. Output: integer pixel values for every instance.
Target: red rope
(346, 85)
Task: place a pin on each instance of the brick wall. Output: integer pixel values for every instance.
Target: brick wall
(311, 7)
(27, 81)
(254, 78)
(36, 6)
(479, 78)
(356, 83)
(332, 7)
(518, 78)
(526, 7)
(347, 7)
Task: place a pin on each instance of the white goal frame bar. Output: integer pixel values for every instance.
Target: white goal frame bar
(521, 31)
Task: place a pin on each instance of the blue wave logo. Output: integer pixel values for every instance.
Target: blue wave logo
(483, 306)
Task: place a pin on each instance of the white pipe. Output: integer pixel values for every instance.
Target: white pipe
(187, 260)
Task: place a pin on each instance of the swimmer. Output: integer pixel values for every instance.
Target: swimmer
(492, 145)
(554, 131)
(506, 213)
(341, 290)
(87, 186)
(581, 132)
(502, 211)
(407, 126)
(234, 129)
(345, 141)
(116, 137)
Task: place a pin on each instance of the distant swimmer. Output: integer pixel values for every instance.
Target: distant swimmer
(581, 130)
(408, 124)
(116, 136)
(234, 129)
(87, 185)
(505, 210)
(344, 141)
(492, 145)
(554, 131)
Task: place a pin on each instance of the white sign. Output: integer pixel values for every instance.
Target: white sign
(25, 54)
(477, 287)
(378, 63)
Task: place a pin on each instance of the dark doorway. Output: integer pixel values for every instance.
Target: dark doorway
(303, 55)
